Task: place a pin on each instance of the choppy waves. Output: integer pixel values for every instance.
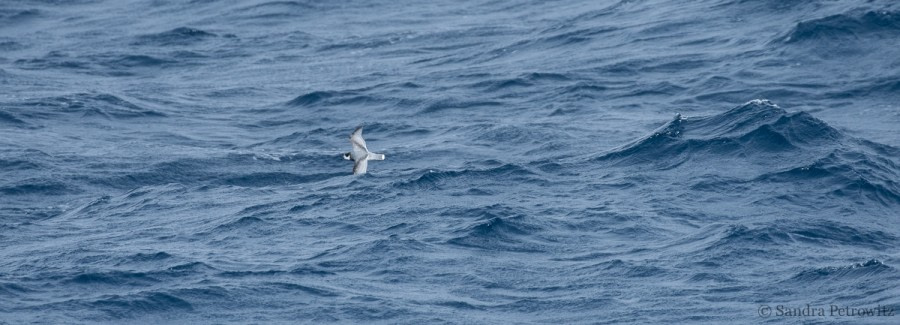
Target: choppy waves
(566, 162)
(761, 140)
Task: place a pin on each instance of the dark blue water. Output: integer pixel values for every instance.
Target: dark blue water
(547, 162)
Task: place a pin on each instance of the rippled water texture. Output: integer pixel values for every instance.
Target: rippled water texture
(547, 162)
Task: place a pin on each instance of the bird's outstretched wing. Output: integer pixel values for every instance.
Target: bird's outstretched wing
(360, 166)
(357, 140)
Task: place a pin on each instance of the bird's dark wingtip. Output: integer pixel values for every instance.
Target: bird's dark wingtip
(358, 129)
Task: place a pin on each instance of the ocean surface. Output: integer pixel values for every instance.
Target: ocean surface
(714, 161)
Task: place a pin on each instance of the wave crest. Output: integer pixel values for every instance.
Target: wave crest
(844, 26)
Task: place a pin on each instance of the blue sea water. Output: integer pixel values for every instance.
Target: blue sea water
(547, 161)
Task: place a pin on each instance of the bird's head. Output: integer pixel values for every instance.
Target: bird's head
(346, 156)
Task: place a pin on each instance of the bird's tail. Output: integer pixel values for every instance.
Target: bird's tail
(376, 156)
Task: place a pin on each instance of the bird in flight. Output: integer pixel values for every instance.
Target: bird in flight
(360, 154)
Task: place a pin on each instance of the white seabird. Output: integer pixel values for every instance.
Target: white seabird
(360, 154)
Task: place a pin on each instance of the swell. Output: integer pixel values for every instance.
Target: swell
(846, 174)
(755, 127)
(503, 232)
(267, 11)
(177, 36)
(436, 180)
(125, 306)
(496, 102)
(523, 81)
(858, 281)
(38, 186)
(235, 170)
(86, 105)
(275, 178)
(849, 25)
(868, 269)
(739, 245)
(18, 16)
(375, 257)
(10, 119)
(358, 97)
(317, 97)
(764, 144)
(791, 233)
(114, 64)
